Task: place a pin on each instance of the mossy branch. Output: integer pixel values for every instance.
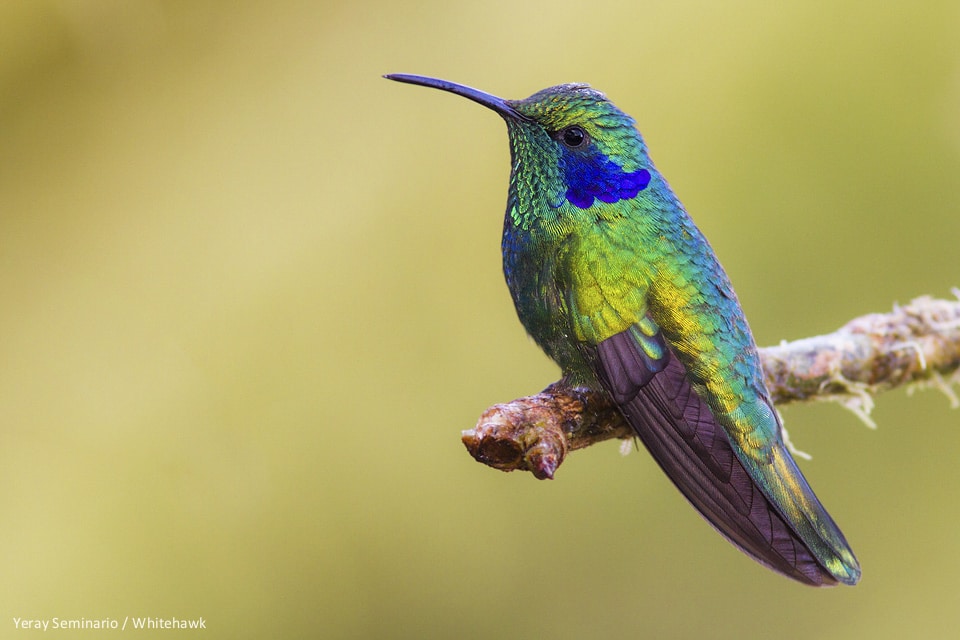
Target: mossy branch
(917, 344)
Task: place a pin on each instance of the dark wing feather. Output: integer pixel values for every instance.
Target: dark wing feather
(681, 433)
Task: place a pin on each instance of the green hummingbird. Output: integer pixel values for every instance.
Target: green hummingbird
(613, 280)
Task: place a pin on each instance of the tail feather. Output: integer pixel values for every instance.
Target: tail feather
(684, 437)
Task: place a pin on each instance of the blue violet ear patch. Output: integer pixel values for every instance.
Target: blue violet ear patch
(595, 176)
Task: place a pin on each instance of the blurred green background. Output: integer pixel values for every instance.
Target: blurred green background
(251, 293)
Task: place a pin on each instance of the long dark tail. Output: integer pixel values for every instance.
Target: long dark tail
(682, 434)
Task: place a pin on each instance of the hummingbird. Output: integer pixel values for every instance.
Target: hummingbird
(613, 280)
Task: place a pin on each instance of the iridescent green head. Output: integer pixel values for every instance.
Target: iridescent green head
(571, 146)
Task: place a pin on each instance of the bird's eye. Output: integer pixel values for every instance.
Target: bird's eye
(574, 137)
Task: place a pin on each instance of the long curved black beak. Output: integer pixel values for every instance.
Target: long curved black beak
(499, 105)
